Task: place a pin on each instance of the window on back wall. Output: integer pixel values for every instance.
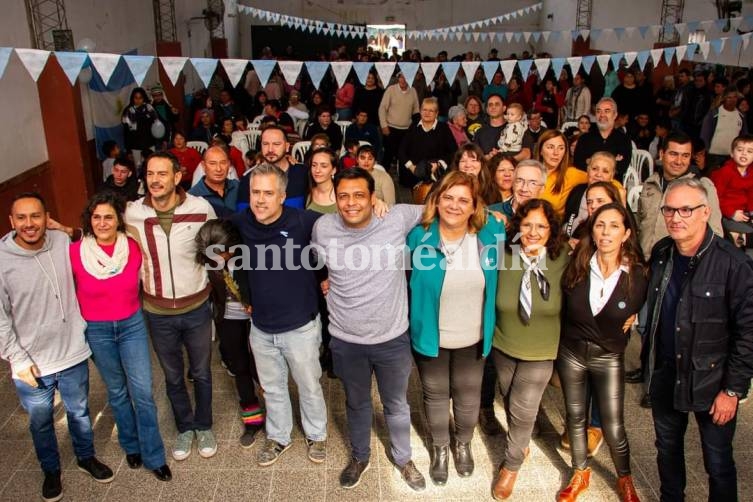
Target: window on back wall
(697, 37)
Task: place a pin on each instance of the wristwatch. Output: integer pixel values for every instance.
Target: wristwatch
(732, 393)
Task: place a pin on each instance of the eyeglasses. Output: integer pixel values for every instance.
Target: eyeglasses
(528, 183)
(684, 212)
(527, 227)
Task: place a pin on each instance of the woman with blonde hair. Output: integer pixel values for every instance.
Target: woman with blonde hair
(453, 289)
(561, 177)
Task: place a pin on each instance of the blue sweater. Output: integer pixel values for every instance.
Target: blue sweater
(282, 299)
(426, 284)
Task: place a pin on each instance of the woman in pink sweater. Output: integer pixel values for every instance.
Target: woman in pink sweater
(344, 100)
(106, 267)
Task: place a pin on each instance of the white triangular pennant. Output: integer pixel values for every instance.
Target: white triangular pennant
(490, 68)
(526, 36)
(70, 62)
(139, 66)
(508, 68)
(4, 57)
(173, 66)
(264, 68)
(545, 35)
(508, 36)
(680, 53)
(290, 70)
(630, 57)
(681, 28)
(234, 69)
(316, 70)
(705, 48)
(450, 69)
(362, 71)
(104, 64)
(341, 69)
(656, 55)
(469, 68)
(385, 71)
(603, 61)
(746, 42)
(574, 63)
(204, 68)
(542, 65)
(654, 31)
(34, 60)
(409, 70)
(630, 31)
(429, 69)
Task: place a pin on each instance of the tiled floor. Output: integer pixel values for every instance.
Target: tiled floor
(234, 475)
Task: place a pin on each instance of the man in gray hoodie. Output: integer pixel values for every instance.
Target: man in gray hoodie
(42, 336)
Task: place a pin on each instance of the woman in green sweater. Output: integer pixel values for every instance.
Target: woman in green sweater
(527, 329)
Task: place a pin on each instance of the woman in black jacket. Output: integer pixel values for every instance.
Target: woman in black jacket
(603, 287)
(137, 120)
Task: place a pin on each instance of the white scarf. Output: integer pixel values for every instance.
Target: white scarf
(98, 263)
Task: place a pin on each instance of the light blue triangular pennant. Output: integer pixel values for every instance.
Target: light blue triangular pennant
(139, 66)
(4, 57)
(643, 30)
(467, 36)
(734, 43)
(716, 45)
(71, 63)
(490, 68)
(536, 35)
(588, 62)
(524, 66)
(619, 33)
(316, 70)
(692, 49)
(450, 69)
(204, 68)
(595, 34)
(669, 53)
(575, 34)
(642, 58)
(263, 68)
(409, 71)
(693, 26)
(615, 58)
(362, 71)
(518, 36)
(557, 65)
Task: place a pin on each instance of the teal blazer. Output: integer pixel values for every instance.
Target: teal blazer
(426, 284)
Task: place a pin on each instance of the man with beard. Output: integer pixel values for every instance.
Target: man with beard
(176, 296)
(274, 148)
(605, 138)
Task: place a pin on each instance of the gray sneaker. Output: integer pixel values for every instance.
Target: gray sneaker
(182, 446)
(270, 452)
(317, 451)
(206, 443)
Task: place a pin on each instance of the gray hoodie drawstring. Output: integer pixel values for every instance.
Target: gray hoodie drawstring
(56, 285)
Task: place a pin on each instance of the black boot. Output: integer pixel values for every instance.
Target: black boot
(463, 459)
(438, 469)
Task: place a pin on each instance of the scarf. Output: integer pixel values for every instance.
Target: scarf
(525, 302)
(98, 263)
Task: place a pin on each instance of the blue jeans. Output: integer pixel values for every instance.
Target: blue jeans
(296, 351)
(121, 353)
(194, 331)
(73, 384)
(670, 426)
(391, 363)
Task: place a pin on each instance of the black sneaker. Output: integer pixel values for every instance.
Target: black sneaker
(412, 476)
(99, 471)
(52, 488)
(248, 438)
(351, 475)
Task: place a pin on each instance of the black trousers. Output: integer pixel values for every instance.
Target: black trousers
(454, 374)
(392, 145)
(579, 363)
(234, 346)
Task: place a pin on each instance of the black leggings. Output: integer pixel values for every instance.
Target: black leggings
(234, 346)
(454, 374)
(579, 363)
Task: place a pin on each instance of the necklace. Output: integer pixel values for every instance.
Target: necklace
(450, 255)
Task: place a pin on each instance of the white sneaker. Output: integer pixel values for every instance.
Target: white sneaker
(206, 443)
(183, 444)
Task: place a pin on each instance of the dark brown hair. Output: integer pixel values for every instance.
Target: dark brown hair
(105, 197)
(488, 190)
(554, 243)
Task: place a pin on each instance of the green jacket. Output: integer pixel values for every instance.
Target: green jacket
(426, 283)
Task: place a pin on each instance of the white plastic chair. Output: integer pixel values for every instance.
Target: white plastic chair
(631, 179)
(299, 150)
(641, 159)
(256, 122)
(253, 137)
(632, 197)
(567, 125)
(343, 125)
(200, 146)
(239, 140)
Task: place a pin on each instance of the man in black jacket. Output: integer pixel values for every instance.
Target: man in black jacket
(700, 335)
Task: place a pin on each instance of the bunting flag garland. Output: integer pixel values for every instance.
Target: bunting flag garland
(341, 69)
(290, 70)
(587, 63)
(385, 71)
(234, 69)
(508, 68)
(362, 71)
(173, 67)
(317, 70)
(70, 62)
(450, 69)
(409, 70)
(525, 67)
(34, 60)
(429, 69)
(105, 64)
(139, 66)
(4, 57)
(264, 68)
(204, 68)
(490, 68)
(469, 68)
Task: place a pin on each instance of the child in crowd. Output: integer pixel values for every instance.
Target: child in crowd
(511, 140)
(734, 186)
(350, 158)
(112, 152)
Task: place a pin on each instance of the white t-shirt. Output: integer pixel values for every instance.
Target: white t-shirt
(728, 126)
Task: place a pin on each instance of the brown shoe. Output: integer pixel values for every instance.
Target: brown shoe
(504, 484)
(595, 440)
(578, 484)
(626, 489)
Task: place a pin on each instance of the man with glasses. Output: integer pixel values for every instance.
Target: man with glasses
(528, 181)
(700, 340)
(605, 137)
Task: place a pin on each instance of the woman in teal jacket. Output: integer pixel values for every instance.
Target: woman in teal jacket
(453, 290)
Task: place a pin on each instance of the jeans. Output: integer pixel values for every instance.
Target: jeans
(120, 351)
(391, 362)
(670, 426)
(522, 384)
(194, 331)
(454, 374)
(73, 384)
(234, 345)
(583, 365)
(297, 352)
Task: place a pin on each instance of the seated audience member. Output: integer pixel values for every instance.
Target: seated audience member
(384, 187)
(123, 180)
(734, 186)
(457, 120)
(350, 157)
(206, 130)
(112, 152)
(188, 157)
(364, 130)
(323, 124)
(535, 125)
